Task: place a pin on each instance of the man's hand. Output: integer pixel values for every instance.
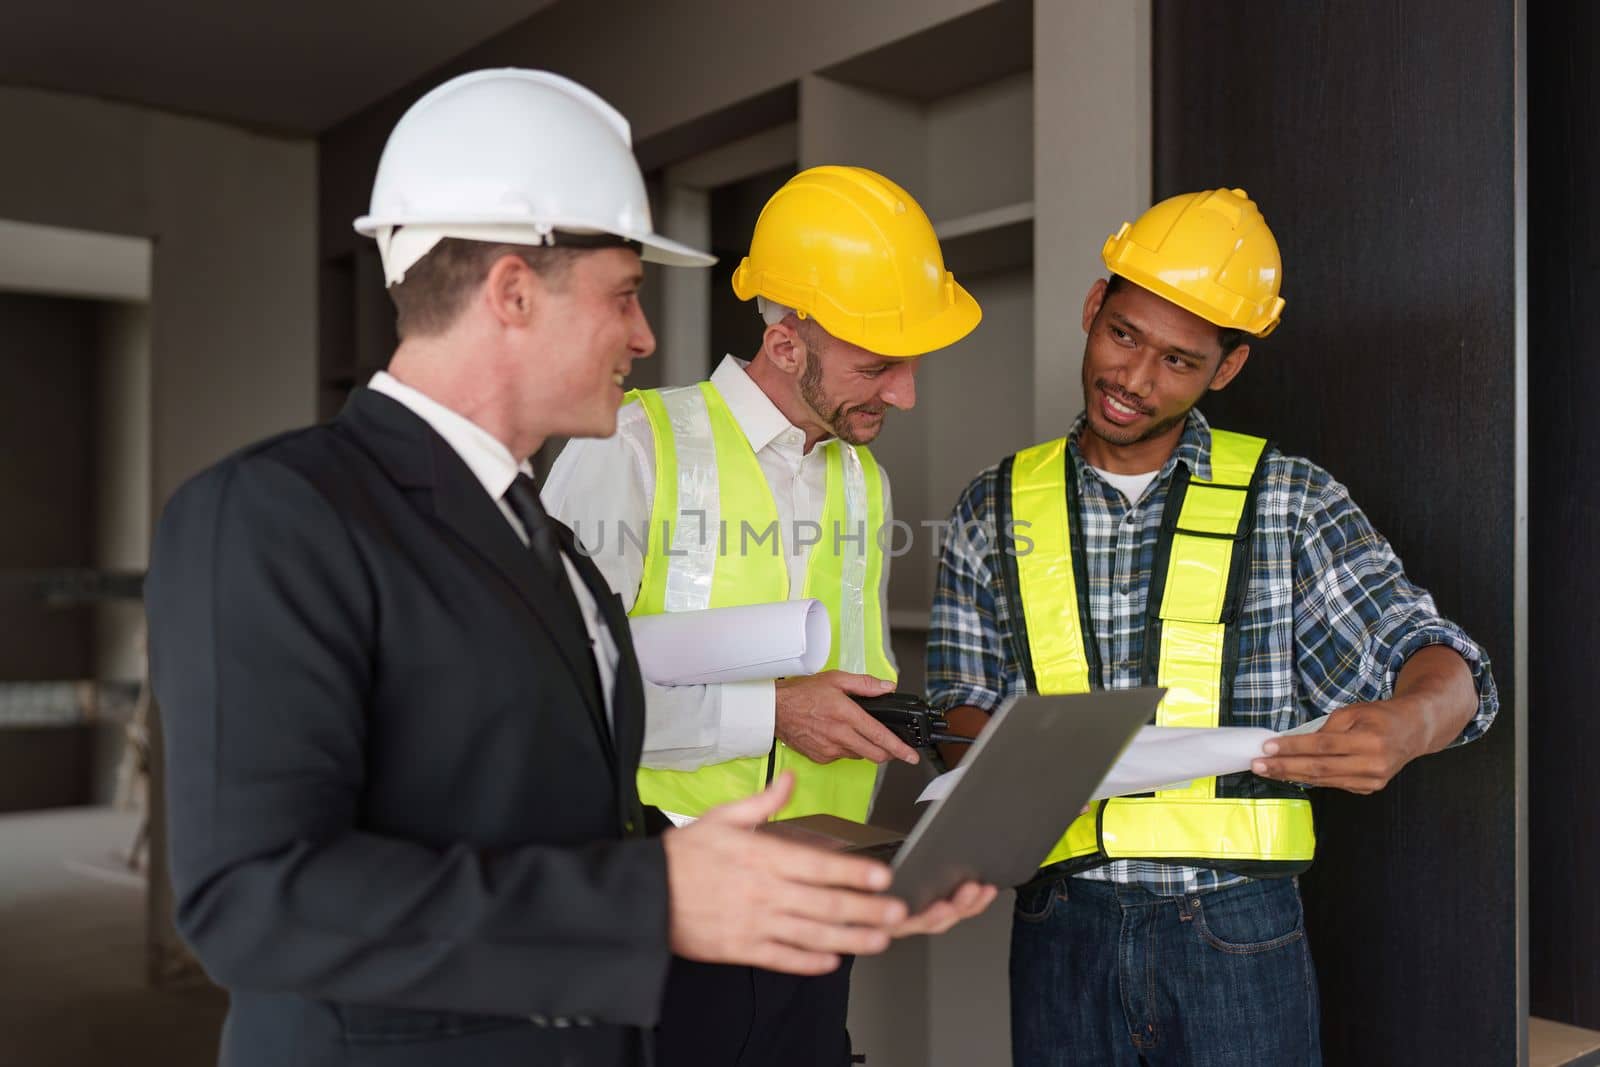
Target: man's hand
(1361, 747)
(970, 899)
(748, 898)
(1358, 749)
(816, 717)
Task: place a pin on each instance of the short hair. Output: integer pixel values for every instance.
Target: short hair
(1227, 336)
(438, 286)
(816, 337)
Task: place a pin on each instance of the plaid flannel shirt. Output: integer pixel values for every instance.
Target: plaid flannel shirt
(1329, 616)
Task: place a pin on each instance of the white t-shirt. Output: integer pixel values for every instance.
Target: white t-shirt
(1132, 486)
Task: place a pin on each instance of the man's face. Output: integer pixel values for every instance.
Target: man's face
(849, 389)
(1146, 363)
(592, 330)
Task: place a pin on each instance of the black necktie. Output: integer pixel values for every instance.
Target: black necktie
(543, 541)
(546, 537)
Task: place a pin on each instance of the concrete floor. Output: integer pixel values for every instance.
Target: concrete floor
(72, 964)
(72, 989)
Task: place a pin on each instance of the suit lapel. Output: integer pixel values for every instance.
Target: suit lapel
(417, 458)
(627, 698)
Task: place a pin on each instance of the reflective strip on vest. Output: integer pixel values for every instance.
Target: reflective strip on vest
(1191, 823)
(1049, 588)
(714, 507)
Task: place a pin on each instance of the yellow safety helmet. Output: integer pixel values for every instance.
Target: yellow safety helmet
(852, 249)
(1208, 252)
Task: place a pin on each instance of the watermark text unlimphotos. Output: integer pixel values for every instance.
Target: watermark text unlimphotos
(694, 536)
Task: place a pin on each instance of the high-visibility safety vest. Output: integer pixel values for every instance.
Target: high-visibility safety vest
(714, 542)
(1238, 822)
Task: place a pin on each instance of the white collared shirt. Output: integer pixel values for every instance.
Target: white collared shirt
(495, 468)
(598, 483)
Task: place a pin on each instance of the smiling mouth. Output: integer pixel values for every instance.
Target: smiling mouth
(1120, 408)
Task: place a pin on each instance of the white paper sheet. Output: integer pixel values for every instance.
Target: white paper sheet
(782, 640)
(1167, 757)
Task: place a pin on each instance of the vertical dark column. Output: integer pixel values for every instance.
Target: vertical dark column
(1564, 487)
(1379, 140)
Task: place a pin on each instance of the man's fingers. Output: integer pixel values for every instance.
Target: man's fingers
(936, 918)
(868, 733)
(752, 811)
(815, 935)
(881, 737)
(1322, 743)
(969, 899)
(1355, 773)
(973, 898)
(1340, 721)
(854, 744)
(862, 685)
(837, 905)
(986, 896)
(1299, 768)
(814, 866)
(1307, 745)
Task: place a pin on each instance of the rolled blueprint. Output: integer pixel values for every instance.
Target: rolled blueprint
(744, 644)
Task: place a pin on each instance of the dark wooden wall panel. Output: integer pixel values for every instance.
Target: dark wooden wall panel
(1564, 486)
(1378, 138)
(47, 365)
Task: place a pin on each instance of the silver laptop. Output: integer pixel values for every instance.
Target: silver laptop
(1026, 778)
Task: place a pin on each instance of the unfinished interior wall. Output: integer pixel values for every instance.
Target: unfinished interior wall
(233, 306)
(47, 360)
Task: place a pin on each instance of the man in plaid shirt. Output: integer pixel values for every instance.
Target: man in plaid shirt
(1130, 960)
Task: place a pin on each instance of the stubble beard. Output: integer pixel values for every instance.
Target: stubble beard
(835, 416)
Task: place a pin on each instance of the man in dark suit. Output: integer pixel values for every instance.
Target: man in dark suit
(402, 715)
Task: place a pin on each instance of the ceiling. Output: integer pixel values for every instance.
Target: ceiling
(291, 66)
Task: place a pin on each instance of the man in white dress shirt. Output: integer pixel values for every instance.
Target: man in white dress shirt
(677, 509)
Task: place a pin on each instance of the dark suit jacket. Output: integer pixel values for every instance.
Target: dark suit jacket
(401, 829)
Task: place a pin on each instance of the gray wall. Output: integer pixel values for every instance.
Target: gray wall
(120, 480)
(233, 308)
(233, 302)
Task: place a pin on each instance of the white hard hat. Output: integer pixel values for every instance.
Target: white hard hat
(519, 156)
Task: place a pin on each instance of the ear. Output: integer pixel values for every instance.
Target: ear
(1092, 301)
(782, 346)
(1229, 368)
(513, 292)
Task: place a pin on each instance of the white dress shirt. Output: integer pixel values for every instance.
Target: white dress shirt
(494, 466)
(597, 483)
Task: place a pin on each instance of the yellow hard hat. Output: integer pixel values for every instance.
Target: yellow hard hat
(1208, 252)
(852, 249)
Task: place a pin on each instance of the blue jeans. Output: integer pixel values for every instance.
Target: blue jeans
(1107, 975)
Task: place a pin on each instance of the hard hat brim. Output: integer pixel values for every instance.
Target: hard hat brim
(930, 335)
(655, 248)
(670, 253)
